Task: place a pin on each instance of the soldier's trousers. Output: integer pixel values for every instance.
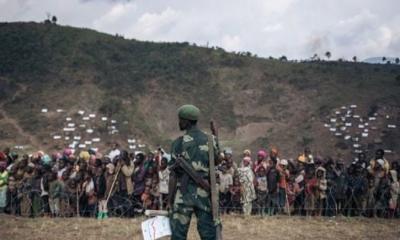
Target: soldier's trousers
(180, 222)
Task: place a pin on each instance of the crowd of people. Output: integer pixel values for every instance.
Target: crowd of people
(125, 184)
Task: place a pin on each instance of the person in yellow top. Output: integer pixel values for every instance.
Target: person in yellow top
(3, 185)
(379, 157)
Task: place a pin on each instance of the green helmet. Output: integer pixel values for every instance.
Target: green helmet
(189, 112)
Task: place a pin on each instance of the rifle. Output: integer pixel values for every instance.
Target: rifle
(188, 169)
(182, 164)
(213, 180)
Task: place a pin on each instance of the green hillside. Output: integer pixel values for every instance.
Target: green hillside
(256, 102)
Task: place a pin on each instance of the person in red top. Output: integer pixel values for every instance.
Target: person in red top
(311, 183)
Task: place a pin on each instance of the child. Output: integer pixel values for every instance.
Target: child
(101, 188)
(71, 192)
(56, 188)
(284, 174)
(370, 201)
(154, 193)
(261, 190)
(235, 194)
(44, 189)
(163, 176)
(226, 182)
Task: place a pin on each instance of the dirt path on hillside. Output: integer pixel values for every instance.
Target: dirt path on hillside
(9, 119)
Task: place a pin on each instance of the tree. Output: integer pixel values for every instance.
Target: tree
(47, 21)
(315, 57)
(328, 55)
(384, 59)
(397, 60)
(54, 19)
(283, 58)
(355, 59)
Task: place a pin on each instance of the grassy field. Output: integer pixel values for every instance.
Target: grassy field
(234, 227)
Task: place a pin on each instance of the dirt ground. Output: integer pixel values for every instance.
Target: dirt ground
(234, 227)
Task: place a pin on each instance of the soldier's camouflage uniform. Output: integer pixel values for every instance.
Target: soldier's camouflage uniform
(192, 198)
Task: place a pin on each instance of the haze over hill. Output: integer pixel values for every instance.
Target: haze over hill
(256, 102)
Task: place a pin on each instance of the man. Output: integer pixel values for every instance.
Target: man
(139, 182)
(357, 192)
(115, 152)
(189, 197)
(273, 156)
(340, 185)
(125, 184)
(331, 188)
(379, 155)
(298, 189)
(361, 160)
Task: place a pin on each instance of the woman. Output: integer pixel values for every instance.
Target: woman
(246, 178)
(89, 199)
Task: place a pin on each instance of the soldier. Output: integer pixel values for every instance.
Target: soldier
(189, 197)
